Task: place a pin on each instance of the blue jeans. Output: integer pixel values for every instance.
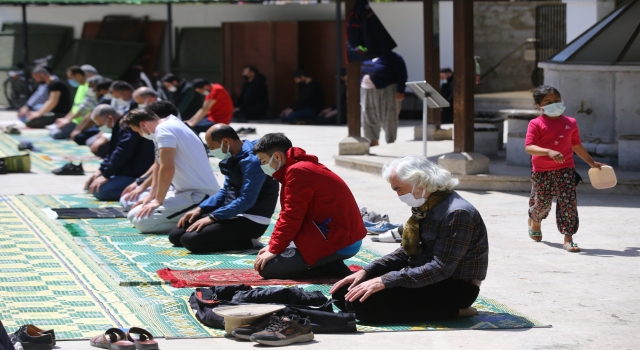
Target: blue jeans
(82, 137)
(202, 125)
(112, 190)
(304, 114)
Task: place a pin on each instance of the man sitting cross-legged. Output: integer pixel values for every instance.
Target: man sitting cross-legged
(240, 212)
(319, 215)
(129, 156)
(182, 162)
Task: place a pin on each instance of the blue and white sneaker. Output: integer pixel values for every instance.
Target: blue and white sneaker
(376, 228)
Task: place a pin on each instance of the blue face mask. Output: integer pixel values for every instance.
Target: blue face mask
(554, 110)
(267, 167)
(73, 83)
(218, 153)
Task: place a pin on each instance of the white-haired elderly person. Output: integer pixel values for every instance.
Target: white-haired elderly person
(437, 272)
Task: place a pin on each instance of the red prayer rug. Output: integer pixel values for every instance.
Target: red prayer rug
(226, 277)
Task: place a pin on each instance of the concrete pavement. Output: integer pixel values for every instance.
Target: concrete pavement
(590, 298)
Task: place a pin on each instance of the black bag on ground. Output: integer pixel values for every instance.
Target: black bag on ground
(323, 319)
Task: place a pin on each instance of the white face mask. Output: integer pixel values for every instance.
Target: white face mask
(142, 105)
(206, 93)
(91, 93)
(554, 109)
(108, 96)
(105, 128)
(172, 88)
(218, 153)
(443, 81)
(412, 201)
(149, 136)
(267, 167)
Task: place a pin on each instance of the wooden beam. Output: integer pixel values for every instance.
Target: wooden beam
(431, 58)
(353, 86)
(463, 75)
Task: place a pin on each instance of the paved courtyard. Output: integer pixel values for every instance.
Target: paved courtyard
(591, 299)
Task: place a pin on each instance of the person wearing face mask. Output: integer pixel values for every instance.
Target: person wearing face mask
(181, 161)
(551, 139)
(446, 90)
(236, 216)
(183, 95)
(216, 108)
(65, 126)
(310, 99)
(86, 132)
(128, 158)
(320, 224)
(437, 272)
(253, 102)
(144, 96)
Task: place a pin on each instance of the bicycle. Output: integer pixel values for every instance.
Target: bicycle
(18, 87)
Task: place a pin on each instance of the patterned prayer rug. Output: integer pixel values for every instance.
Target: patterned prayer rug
(53, 154)
(227, 277)
(82, 284)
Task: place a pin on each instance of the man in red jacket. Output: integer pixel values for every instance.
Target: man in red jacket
(320, 224)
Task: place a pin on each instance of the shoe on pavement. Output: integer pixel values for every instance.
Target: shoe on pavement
(286, 330)
(259, 325)
(376, 228)
(69, 169)
(30, 338)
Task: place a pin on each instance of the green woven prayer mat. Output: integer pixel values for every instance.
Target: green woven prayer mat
(56, 153)
(118, 271)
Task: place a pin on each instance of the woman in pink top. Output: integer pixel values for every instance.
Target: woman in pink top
(552, 138)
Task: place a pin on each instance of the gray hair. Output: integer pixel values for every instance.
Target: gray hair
(145, 92)
(103, 111)
(420, 172)
(95, 79)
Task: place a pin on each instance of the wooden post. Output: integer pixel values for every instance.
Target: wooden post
(353, 86)
(463, 75)
(431, 58)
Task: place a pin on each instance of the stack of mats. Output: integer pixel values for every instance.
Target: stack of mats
(81, 276)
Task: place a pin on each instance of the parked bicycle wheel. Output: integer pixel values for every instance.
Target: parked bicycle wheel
(16, 90)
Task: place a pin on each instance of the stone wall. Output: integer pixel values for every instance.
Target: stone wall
(500, 27)
(603, 99)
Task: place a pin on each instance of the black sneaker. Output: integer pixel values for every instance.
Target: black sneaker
(259, 325)
(25, 145)
(286, 330)
(3, 167)
(30, 337)
(69, 169)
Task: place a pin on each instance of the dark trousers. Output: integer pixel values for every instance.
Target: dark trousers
(232, 234)
(43, 121)
(302, 115)
(439, 301)
(202, 126)
(82, 137)
(289, 264)
(5, 341)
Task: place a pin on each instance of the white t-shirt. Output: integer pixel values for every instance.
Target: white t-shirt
(193, 172)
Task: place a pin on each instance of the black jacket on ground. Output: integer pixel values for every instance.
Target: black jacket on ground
(254, 98)
(323, 319)
(310, 95)
(187, 100)
(129, 154)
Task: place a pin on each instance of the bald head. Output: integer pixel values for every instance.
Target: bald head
(145, 96)
(103, 112)
(223, 133)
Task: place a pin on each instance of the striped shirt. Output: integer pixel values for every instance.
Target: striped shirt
(454, 245)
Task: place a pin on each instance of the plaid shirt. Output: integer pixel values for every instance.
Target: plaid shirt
(455, 245)
(39, 97)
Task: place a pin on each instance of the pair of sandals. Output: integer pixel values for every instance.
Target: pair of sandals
(571, 247)
(118, 339)
(391, 236)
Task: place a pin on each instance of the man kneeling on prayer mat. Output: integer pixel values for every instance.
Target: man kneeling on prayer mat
(320, 224)
(437, 272)
(182, 162)
(236, 216)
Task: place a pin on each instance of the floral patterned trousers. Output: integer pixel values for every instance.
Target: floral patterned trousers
(560, 184)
